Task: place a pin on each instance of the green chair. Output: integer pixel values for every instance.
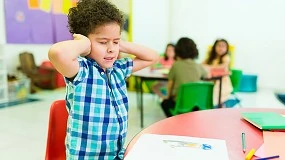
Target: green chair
(236, 76)
(149, 84)
(194, 96)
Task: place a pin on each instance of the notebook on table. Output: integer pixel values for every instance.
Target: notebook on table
(218, 71)
(265, 120)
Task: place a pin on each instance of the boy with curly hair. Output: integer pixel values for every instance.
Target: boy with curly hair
(96, 93)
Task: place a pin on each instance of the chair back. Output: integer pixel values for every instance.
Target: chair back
(236, 76)
(194, 96)
(55, 148)
(27, 62)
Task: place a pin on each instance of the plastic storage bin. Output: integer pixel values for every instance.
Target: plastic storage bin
(248, 83)
(18, 90)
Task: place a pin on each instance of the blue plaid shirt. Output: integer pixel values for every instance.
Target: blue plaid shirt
(98, 111)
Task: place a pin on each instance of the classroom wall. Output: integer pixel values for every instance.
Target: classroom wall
(151, 23)
(150, 28)
(255, 28)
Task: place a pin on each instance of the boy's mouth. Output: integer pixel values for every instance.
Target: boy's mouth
(108, 58)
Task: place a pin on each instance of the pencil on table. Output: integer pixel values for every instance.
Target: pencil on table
(250, 154)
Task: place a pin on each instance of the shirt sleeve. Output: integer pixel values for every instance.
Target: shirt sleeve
(125, 65)
(82, 72)
(203, 71)
(171, 74)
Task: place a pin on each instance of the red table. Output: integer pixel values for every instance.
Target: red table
(225, 124)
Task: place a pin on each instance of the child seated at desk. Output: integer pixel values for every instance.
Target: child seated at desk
(184, 70)
(165, 63)
(219, 59)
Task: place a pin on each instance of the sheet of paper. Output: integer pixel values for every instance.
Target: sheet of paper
(274, 143)
(45, 5)
(169, 147)
(161, 71)
(57, 7)
(66, 5)
(260, 152)
(33, 4)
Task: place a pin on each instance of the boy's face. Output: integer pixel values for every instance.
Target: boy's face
(105, 44)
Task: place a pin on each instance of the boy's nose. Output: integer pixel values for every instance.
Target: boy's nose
(110, 50)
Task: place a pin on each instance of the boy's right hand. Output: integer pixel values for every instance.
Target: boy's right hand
(83, 38)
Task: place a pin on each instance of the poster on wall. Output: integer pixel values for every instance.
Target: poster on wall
(60, 11)
(37, 21)
(126, 7)
(45, 21)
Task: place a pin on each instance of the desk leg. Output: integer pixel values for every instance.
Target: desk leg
(220, 93)
(141, 101)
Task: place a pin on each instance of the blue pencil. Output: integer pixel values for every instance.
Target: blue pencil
(266, 158)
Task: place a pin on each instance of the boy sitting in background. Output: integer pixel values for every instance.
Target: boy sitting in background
(185, 53)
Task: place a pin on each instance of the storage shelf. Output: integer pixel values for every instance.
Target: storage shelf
(3, 80)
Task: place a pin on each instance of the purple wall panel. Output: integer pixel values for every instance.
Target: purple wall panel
(33, 26)
(61, 31)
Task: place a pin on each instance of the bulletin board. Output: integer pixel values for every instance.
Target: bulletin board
(45, 21)
(37, 21)
(126, 7)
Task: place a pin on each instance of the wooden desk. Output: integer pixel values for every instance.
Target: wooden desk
(225, 124)
(147, 74)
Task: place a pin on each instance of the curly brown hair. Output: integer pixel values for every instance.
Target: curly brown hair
(186, 48)
(90, 14)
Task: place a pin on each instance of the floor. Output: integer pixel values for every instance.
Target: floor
(23, 130)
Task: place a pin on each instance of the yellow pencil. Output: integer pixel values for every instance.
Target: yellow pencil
(250, 154)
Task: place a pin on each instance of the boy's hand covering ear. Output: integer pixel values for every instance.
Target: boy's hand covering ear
(79, 37)
(83, 38)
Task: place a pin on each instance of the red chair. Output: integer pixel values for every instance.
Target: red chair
(41, 77)
(55, 149)
(59, 80)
